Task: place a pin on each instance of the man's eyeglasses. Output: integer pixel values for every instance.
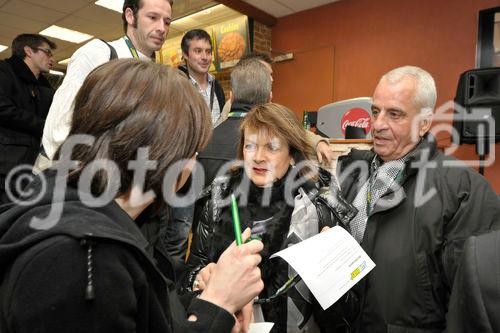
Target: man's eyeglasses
(292, 281)
(48, 52)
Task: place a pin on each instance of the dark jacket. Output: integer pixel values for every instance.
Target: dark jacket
(93, 271)
(475, 300)
(24, 104)
(218, 91)
(416, 240)
(215, 231)
(223, 146)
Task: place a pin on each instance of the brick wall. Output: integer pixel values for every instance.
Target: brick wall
(261, 38)
(261, 43)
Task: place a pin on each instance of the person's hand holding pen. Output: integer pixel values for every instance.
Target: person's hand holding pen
(236, 279)
(204, 274)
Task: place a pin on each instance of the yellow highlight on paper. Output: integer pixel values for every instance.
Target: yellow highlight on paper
(355, 273)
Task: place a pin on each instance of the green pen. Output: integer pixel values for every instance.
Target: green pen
(236, 220)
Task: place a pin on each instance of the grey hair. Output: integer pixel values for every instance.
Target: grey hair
(425, 90)
(251, 82)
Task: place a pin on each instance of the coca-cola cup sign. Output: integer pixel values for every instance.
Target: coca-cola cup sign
(356, 117)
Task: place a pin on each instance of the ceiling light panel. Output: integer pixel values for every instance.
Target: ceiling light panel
(3, 48)
(72, 36)
(116, 5)
(64, 61)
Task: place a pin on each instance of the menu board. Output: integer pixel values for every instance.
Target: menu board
(232, 40)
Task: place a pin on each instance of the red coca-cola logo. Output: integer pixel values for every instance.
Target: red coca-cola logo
(356, 117)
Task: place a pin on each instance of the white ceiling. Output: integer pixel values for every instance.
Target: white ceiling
(279, 8)
(32, 16)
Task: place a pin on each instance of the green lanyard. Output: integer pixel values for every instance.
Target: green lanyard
(131, 47)
(237, 114)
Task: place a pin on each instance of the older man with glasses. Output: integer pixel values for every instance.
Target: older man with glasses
(25, 98)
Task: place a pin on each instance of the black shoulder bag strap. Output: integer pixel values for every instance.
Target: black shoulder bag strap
(113, 54)
(212, 93)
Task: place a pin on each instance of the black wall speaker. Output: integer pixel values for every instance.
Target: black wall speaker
(478, 91)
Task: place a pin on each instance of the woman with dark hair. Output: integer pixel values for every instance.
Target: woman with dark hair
(73, 259)
(283, 198)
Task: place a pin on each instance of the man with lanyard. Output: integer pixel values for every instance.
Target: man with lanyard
(416, 206)
(145, 23)
(197, 51)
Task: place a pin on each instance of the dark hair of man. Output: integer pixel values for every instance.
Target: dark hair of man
(279, 121)
(33, 41)
(134, 5)
(259, 56)
(250, 82)
(194, 34)
(126, 104)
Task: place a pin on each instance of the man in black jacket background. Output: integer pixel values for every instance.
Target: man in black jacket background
(25, 98)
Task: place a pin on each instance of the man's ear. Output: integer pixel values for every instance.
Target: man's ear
(184, 57)
(425, 122)
(28, 51)
(129, 16)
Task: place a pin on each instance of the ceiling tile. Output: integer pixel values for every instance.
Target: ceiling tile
(8, 32)
(272, 7)
(279, 8)
(100, 15)
(61, 6)
(21, 23)
(33, 12)
(83, 25)
(63, 46)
